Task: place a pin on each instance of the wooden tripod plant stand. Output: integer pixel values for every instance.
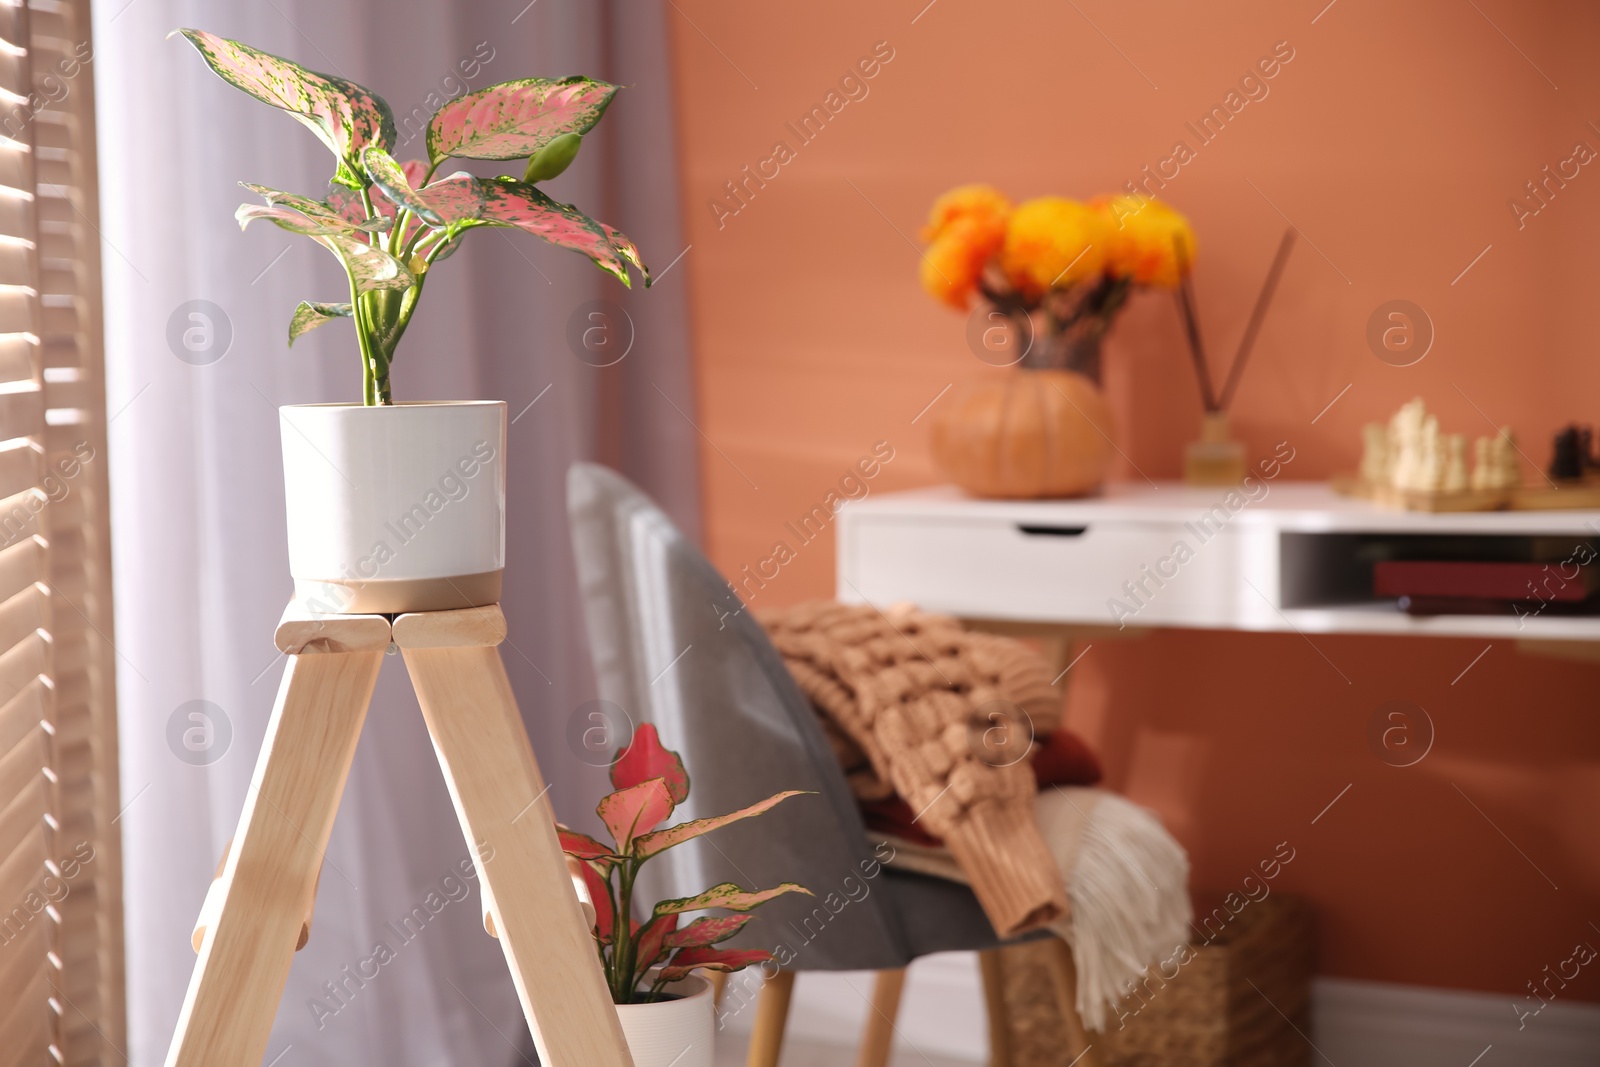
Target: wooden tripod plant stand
(265, 889)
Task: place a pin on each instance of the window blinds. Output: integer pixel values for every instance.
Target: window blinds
(61, 993)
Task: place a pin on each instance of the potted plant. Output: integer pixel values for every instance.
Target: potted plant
(1054, 274)
(667, 1011)
(401, 507)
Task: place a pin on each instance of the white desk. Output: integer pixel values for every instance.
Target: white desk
(1293, 560)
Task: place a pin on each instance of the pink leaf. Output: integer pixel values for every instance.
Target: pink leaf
(661, 840)
(628, 251)
(515, 119)
(707, 930)
(712, 959)
(369, 268)
(600, 896)
(345, 116)
(518, 204)
(727, 895)
(292, 220)
(581, 845)
(453, 200)
(630, 812)
(652, 941)
(645, 758)
(311, 314)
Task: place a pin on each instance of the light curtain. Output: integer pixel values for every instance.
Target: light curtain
(200, 555)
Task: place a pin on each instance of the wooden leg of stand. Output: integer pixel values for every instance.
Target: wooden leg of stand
(879, 1038)
(994, 1000)
(772, 1015)
(271, 872)
(500, 799)
(1065, 975)
(719, 982)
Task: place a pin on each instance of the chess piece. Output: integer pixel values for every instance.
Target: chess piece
(1481, 463)
(1428, 473)
(1569, 454)
(1503, 454)
(1455, 466)
(1375, 454)
(1405, 432)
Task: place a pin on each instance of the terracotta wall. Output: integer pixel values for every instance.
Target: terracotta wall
(1394, 138)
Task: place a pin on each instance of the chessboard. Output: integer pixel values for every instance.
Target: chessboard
(1550, 496)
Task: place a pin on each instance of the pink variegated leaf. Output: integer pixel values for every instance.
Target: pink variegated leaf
(600, 897)
(447, 202)
(346, 202)
(296, 221)
(652, 941)
(310, 314)
(627, 250)
(518, 204)
(711, 959)
(318, 209)
(646, 757)
(369, 268)
(582, 845)
(661, 840)
(707, 930)
(727, 895)
(628, 813)
(345, 116)
(515, 119)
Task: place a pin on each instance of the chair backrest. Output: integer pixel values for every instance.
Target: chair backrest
(673, 646)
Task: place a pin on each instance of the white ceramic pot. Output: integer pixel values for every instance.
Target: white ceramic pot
(395, 508)
(672, 1033)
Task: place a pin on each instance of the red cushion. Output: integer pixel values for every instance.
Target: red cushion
(1062, 758)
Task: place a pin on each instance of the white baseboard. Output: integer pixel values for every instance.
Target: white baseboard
(1376, 1024)
(1367, 1024)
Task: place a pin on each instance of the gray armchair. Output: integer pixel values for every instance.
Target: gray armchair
(673, 645)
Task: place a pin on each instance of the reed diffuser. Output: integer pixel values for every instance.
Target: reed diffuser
(1217, 458)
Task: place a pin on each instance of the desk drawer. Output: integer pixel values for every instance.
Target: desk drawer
(1103, 573)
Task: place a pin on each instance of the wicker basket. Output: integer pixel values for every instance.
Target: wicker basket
(1236, 1003)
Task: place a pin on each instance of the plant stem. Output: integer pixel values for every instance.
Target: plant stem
(624, 952)
(372, 213)
(363, 338)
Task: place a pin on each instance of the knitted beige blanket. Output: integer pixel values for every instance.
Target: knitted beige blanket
(915, 704)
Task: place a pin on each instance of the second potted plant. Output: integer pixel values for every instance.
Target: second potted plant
(666, 1009)
(401, 507)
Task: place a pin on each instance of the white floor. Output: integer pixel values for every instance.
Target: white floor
(731, 1052)
(1370, 1024)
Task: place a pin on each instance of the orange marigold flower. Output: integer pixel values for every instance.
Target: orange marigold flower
(1053, 242)
(953, 263)
(984, 203)
(1144, 236)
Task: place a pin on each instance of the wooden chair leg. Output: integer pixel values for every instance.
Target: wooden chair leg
(1080, 1050)
(994, 1000)
(772, 1016)
(877, 1042)
(500, 799)
(269, 877)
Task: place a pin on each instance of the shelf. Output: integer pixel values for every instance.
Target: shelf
(1297, 559)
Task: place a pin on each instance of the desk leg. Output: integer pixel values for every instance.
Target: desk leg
(270, 875)
(500, 799)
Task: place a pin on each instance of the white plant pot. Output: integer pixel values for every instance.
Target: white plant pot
(672, 1033)
(395, 508)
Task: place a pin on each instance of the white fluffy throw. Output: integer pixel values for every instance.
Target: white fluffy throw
(1127, 880)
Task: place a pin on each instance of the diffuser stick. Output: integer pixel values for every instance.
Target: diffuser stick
(1191, 325)
(1270, 286)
